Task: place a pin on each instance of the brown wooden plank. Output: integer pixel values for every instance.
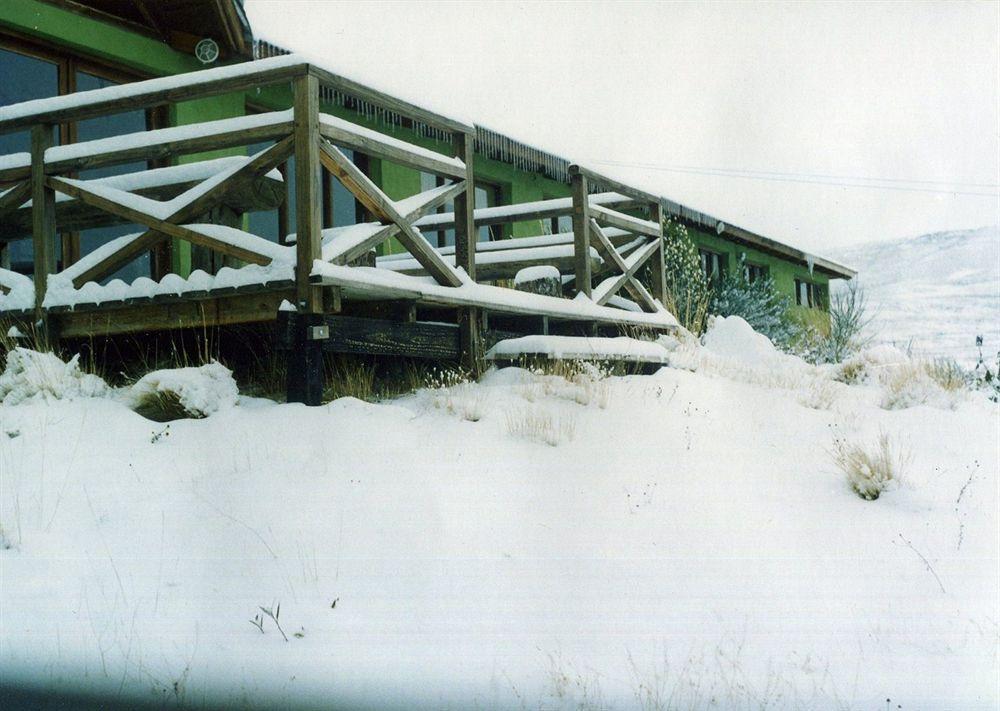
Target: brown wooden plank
(581, 229)
(392, 103)
(308, 226)
(658, 268)
(15, 197)
(182, 313)
(607, 183)
(250, 171)
(387, 151)
(515, 215)
(207, 141)
(379, 204)
(466, 238)
(607, 251)
(156, 225)
(624, 222)
(644, 254)
(43, 213)
(201, 85)
(368, 336)
(388, 231)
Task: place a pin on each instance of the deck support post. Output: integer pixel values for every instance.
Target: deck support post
(658, 275)
(43, 219)
(581, 231)
(308, 209)
(470, 340)
(304, 359)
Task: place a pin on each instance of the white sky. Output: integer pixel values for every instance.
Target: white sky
(902, 91)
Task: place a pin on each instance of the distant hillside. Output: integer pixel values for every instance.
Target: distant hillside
(936, 292)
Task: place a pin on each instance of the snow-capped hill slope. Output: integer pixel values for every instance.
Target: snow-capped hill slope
(934, 293)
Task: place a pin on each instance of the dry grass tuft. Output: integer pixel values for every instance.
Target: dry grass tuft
(540, 426)
(870, 470)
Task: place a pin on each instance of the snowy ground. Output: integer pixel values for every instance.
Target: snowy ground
(935, 293)
(686, 542)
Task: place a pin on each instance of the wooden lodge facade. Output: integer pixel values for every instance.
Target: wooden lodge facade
(142, 190)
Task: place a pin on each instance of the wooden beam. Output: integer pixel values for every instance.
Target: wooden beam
(153, 149)
(157, 228)
(153, 92)
(308, 227)
(581, 228)
(365, 246)
(379, 204)
(368, 336)
(182, 313)
(635, 261)
(466, 237)
(625, 222)
(607, 183)
(658, 275)
(607, 251)
(384, 150)
(43, 213)
(400, 106)
(514, 213)
(15, 197)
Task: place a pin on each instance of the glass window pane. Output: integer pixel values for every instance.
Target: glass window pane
(93, 238)
(344, 205)
(108, 126)
(24, 78)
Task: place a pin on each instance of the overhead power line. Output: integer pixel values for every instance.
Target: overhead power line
(903, 185)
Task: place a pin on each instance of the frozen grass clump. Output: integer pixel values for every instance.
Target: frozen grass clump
(870, 470)
(921, 383)
(818, 395)
(34, 375)
(184, 392)
(540, 426)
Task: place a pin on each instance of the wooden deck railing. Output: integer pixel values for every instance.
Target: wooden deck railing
(608, 244)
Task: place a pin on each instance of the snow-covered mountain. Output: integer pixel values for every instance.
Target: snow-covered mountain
(934, 293)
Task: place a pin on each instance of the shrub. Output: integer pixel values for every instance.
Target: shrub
(849, 321)
(758, 303)
(869, 471)
(985, 377)
(688, 295)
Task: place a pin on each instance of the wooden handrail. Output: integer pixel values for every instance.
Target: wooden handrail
(203, 84)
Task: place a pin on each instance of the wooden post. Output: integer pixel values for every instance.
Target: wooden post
(308, 210)
(327, 200)
(465, 250)
(43, 215)
(283, 221)
(304, 382)
(581, 231)
(658, 275)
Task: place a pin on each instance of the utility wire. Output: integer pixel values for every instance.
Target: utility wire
(815, 179)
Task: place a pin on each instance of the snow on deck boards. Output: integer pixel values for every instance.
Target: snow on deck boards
(384, 284)
(621, 348)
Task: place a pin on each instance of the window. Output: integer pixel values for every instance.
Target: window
(34, 72)
(713, 265)
(809, 294)
(754, 272)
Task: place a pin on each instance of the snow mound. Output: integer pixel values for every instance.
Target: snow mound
(732, 337)
(31, 376)
(200, 391)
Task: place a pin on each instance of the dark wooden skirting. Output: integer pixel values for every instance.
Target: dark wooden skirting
(367, 336)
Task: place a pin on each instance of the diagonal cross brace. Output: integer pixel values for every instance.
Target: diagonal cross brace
(608, 253)
(201, 201)
(379, 204)
(392, 230)
(155, 224)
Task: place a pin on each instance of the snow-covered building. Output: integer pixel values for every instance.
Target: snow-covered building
(156, 180)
